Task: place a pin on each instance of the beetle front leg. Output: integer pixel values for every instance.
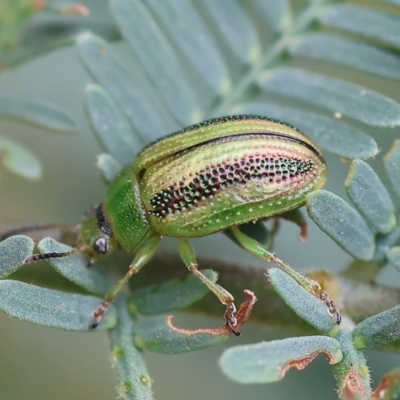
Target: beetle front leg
(189, 258)
(142, 257)
(257, 249)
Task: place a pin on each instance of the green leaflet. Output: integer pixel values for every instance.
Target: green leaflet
(336, 95)
(129, 89)
(269, 361)
(392, 165)
(370, 196)
(239, 35)
(13, 252)
(200, 47)
(365, 21)
(350, 53)
(110, 125)
(378, 330)
(19, 160)
(109, 167)
(342, 223)
(302, 302)
(37, 112)
(51, 307)
(333, 136)
(159, 335)
(157, 57)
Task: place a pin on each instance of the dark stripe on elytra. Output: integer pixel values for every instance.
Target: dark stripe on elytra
(217, 178)
(249, 135)
(222, 120)
(102, 222)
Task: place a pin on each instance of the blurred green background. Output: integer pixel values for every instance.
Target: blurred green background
(42, 363)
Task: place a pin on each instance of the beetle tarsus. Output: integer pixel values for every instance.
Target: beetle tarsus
(90, 262)
(330, 306)
(231, 320)
(94, 325)
(99, 312)
(233, 330)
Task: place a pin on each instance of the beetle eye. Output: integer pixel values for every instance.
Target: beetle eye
(100, 245)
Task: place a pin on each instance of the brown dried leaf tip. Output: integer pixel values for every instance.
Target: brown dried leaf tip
(353, 386)
(242, 316)
(302, 363)
(39, 5)
(299, 363)
(386, 385)
(79, 9)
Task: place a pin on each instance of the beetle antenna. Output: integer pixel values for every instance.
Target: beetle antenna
(45, 256)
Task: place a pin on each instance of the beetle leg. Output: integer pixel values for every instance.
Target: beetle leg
(189, 258)
(257, 249)
(142, 257)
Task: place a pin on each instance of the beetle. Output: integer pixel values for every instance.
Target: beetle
(212, 176)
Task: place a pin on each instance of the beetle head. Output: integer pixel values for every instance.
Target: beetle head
(96, 233)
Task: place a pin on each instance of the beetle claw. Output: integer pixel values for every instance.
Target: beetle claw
(330, 307)
(231, 320)
(234, 331)
(98, 313)
(94, 325)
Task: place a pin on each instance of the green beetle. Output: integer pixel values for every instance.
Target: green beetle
(207, 178)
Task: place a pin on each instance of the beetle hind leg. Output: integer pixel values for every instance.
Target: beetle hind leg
(189, 258)
(257, 249)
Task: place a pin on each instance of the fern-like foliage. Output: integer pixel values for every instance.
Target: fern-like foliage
(185, 61)
(21, 39)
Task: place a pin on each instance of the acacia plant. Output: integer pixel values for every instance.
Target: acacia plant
(182, 62)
